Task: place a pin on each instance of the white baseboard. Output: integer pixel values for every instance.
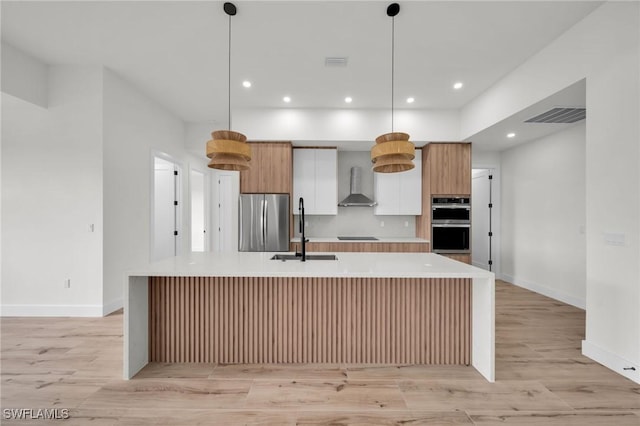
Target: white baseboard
(546, 291)
(51, 310)
(611, 361)
(112, 306)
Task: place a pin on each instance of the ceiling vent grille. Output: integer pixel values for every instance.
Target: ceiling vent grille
(560, 115)
(335, 61)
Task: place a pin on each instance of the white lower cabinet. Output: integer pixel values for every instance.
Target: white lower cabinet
(315, 178)
(400, 193)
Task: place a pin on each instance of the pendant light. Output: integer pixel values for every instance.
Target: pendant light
(392, 152)
(228, 150)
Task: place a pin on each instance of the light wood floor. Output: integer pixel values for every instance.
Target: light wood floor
(542, 378)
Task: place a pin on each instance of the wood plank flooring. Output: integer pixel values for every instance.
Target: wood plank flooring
(542, 378)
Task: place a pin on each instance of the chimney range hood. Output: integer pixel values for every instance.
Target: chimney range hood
(356, 198)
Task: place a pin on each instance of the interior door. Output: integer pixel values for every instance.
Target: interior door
(164, 209)
(480, 218)
(198, 210)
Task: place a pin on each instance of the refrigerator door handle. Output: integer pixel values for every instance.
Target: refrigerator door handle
(240, 225)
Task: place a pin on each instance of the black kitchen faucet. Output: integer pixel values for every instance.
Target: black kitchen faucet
(302, 239)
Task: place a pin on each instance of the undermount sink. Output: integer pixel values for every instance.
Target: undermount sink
(284, 257)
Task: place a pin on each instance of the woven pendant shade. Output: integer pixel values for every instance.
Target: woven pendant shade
(393, 153)
(228, 150)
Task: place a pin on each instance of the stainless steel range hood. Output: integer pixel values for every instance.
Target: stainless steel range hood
(356, 198)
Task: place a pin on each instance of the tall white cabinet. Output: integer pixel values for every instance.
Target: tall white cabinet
(400, 193)
(315, 178)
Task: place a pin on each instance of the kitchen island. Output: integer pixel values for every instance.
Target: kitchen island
(372, 308)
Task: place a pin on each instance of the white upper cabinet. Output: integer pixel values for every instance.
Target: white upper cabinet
(400, 193)
(315, 178)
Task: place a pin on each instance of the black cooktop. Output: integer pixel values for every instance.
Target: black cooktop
(358, 238)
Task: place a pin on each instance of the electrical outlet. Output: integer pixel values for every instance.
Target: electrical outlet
(406, 223)
(306, 223)
(382, 224)
(67, 283)
(92, 228)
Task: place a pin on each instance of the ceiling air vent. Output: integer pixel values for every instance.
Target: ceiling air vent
(560, 115)
(335, 61)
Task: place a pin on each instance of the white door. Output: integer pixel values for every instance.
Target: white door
(165, 218)
(481, 242)
(198, 211)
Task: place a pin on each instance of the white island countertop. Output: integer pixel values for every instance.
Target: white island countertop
(372, 265)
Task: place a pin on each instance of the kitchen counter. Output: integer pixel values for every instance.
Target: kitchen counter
(364, 265)
(379, 240)
(381, 308)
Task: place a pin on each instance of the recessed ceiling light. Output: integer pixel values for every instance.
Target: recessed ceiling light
(348, 99)
(458, 85)
(246, 83)
(287, 99)
(511, 135)
(411, 100)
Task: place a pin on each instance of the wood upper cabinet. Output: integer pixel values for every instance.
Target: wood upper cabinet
(271, 169)
(450, 168)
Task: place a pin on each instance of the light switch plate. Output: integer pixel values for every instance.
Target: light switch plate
(614, 239)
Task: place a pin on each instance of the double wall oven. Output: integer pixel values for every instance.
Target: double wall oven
(450, 225)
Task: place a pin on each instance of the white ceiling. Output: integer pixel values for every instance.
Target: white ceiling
(176, 52)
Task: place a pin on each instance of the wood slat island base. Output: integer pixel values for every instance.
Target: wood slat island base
(233, 320)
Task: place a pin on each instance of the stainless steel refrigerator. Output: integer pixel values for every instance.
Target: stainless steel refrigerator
(264, 222)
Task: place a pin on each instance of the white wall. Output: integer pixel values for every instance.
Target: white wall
(604, 48)
(23, 76)
(86, 160)
(345, 124)
(613, 207)
(52, 193)
(134, 127)
(543, 216)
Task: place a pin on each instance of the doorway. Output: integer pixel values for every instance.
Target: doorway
(165, 214)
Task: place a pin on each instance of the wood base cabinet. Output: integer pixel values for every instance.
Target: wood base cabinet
(464, 258)
(364, 247)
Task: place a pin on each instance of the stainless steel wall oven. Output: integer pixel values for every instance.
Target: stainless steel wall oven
(450, 225)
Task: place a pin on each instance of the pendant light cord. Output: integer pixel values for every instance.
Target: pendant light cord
(229, 78)
(393, 32)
